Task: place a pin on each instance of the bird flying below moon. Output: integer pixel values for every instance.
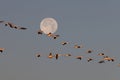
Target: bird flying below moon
(48, 25)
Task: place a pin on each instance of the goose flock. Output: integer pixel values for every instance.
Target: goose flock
(104, 58)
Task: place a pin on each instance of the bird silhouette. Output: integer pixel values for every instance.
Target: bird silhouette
(40, 32)
(102, 61)
(79, 57)
(2, 49)
(89, 59)
(64, 43)
(50, 56)
(38, 55)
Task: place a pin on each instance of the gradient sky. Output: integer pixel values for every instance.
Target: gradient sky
(93, 23)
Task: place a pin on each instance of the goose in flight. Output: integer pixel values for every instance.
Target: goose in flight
(101, 54)
(2, 49)
(38, 55)
(67, 54)
(57, 55)
(89, 51)
(108, 59)
(64, 43)
(78, 46)
(102, 61)
(50, 56)
(89, 59)
(79, 57)
(40, 32)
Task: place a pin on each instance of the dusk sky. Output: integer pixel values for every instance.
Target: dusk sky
(93, 23)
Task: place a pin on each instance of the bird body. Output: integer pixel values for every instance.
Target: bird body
(89, 59)
(79, 57)
(2, 49)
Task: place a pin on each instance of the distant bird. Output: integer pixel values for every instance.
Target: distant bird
(49, 34)
(11, 25)
(40, 32)
(2, 49)
(78, 46)
(57, 56)
(55, 36)
(50, 55)
(64, 43)
(112, 60)
(101, 54)
(21, 28)
(79, 57)
(108, 58)
(89, 59)
(38, 55)
(67, 54)
(89, 51)
(102, 61)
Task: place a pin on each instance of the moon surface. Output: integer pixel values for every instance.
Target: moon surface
(48, 25)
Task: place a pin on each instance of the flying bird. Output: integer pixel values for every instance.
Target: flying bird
(101, 54)
(108, 58)
(102, 61)
(64, 43)
(21, 28)
(89, 59)
(56, 56)
(79, 57)
(55, 36)
(38, 55)
(89, 51)
(78, 46)
(40, 32)
(50, 56)
(2, 49)
(67, 54)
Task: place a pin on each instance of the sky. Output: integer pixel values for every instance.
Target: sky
(93, 23)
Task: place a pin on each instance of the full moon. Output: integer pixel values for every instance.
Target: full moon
(48, 25)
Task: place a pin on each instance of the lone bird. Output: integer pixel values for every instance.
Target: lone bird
(2, 49)
(21, 28)
(55, 36)
(38, 55)
(79, 57)
(50, 56)
(56, 56)
(78, 46)
(64, 43)
(67, 54)
(102, 61)
(40, 32)
(89, 51)
(101, 54)
(108, 58)
(89, 59)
